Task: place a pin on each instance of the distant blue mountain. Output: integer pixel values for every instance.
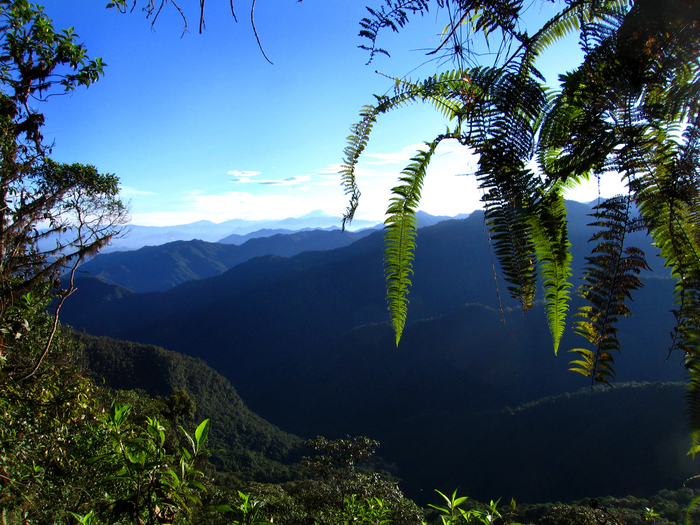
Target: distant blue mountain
(238, 231)
(235, 231)
(158, 268)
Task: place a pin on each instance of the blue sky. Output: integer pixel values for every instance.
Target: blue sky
(203, 127)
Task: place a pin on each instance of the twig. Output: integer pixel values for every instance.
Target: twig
(252, 21)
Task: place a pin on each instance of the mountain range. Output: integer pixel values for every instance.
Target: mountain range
(233, 231)
(158, 268)
(306, 343)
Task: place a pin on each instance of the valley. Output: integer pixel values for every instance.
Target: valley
(305, 341)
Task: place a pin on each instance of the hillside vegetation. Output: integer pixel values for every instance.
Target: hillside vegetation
(560, 441)
(246, 445)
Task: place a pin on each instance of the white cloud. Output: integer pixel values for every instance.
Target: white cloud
(243, 173)
(289, 181)
(387, 158)
(449, 189)
(332, 170)
(168, 218)
(244, 177)
(128, 191)
(230, 205)
(445, 192)
(400, 157)
(241, 177)
(246, 206)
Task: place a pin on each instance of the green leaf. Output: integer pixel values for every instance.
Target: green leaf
(552, 249)
(610, 277)
(399, 236)
(201, 434)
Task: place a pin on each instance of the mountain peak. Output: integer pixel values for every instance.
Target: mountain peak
(315, 213)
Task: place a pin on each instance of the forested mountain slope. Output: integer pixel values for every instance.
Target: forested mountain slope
(270, 310)
(631, 439)
(244, 443)
(299, 301)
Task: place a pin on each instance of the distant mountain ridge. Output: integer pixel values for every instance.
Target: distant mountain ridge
(158, 268)
(235, 231)
(238, 231)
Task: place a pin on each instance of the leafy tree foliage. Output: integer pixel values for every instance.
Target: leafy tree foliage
(338, 492)
(52, 215)
(629, 111)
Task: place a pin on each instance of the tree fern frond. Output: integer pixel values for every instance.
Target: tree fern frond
(556, 28)
(448, 92)
(357, 142)
(552, 249)
(610, 275)
(393, 15)
(669, 198)
(677, 234)
(572, 18)
(596, 365)
(400, 234)
(692, 400)
(502, 129)
(507, 221)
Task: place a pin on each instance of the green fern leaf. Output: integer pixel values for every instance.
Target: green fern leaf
(357, 142)
(400, 234)
(610, 275)
(508, 229)
(552, 249)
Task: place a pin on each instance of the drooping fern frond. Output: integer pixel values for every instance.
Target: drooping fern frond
(448, 92)
(357, 142)
(669, 195)
(552, 249)
(399, 236)
(617, 115)
(509, 232)
(502, 129)
(686, 334)
(572, 18)
(610, 275)
(500, 107)
(690, 334)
